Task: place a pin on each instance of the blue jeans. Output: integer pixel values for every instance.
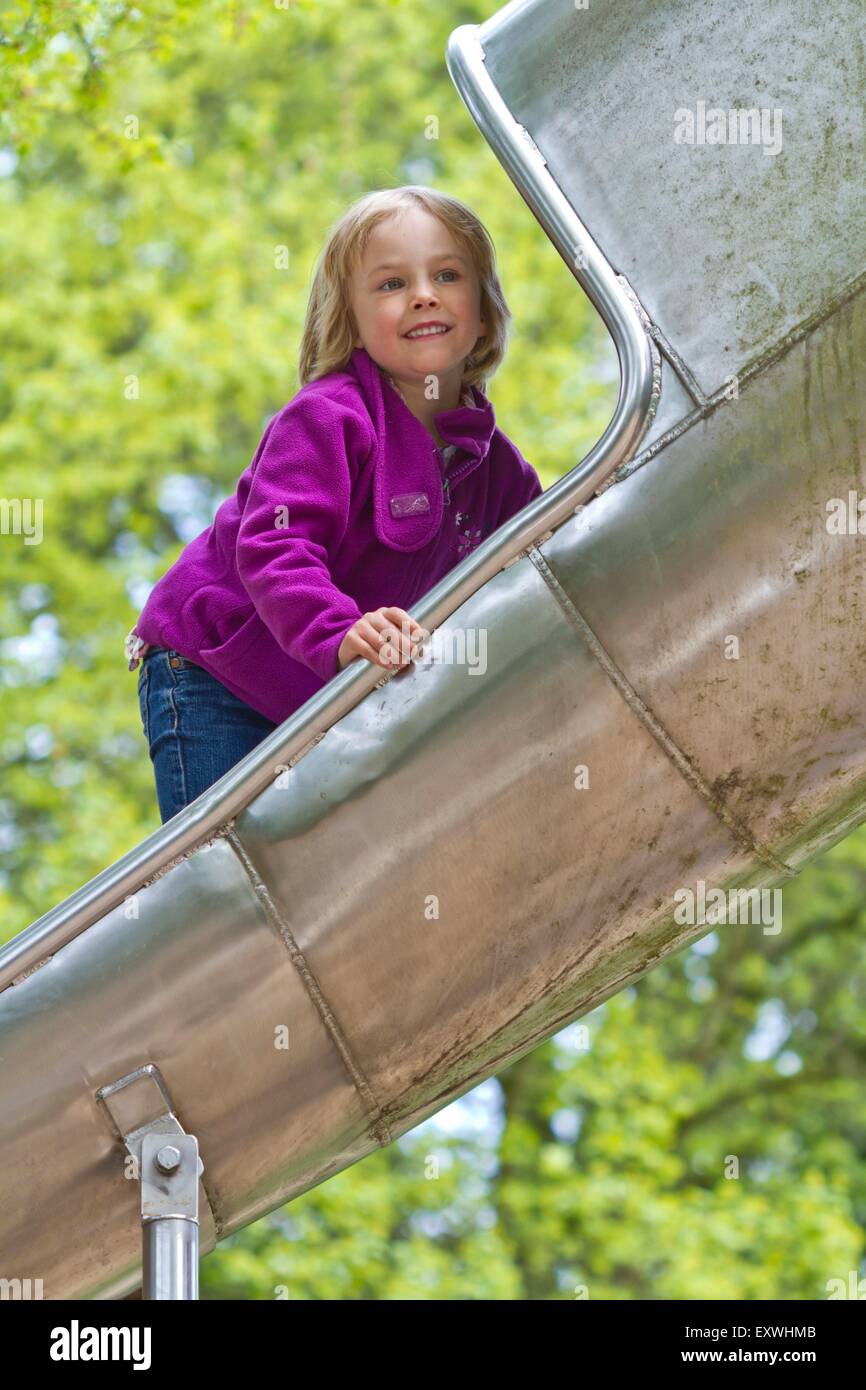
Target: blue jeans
(195, 728)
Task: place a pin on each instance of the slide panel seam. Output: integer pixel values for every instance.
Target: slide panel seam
(653, 725)
(378, 1126)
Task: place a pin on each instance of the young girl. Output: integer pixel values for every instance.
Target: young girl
(374, 481)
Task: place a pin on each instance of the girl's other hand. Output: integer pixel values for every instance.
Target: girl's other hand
(389, 637)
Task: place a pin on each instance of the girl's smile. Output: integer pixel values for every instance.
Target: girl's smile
(426, 331)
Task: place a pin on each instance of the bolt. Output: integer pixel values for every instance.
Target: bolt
(168, 1158)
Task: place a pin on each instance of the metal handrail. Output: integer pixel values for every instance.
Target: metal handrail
(209, 814)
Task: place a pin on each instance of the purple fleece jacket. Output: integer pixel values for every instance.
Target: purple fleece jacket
(342, 510)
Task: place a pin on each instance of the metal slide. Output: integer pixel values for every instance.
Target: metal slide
(421, 876)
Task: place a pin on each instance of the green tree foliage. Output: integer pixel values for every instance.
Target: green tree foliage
(168, 173)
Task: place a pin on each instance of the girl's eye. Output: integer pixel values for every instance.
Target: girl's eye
(395, 279)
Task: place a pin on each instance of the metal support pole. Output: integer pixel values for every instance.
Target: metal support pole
(169, 1216)
(167, 1165)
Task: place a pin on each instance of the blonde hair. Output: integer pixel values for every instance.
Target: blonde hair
(330, 330)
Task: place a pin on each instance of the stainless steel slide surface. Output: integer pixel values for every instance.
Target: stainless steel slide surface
(651, 680)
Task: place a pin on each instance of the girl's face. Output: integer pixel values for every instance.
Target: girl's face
(414, 272)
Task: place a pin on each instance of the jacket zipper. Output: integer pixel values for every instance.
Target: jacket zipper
(454, 477)
(446, 493)
(421, 556)
(446, 482)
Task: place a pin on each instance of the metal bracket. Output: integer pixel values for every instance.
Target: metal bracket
(140, 1112)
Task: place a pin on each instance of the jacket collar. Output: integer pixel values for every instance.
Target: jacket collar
(407, 489)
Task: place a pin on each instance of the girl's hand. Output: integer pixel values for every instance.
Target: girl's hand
(388, 637)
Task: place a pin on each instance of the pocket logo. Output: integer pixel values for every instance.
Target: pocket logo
(409, 503)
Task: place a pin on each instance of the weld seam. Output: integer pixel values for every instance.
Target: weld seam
(687, 378)
(379, 1127)
(653, 725)
(757, 367)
